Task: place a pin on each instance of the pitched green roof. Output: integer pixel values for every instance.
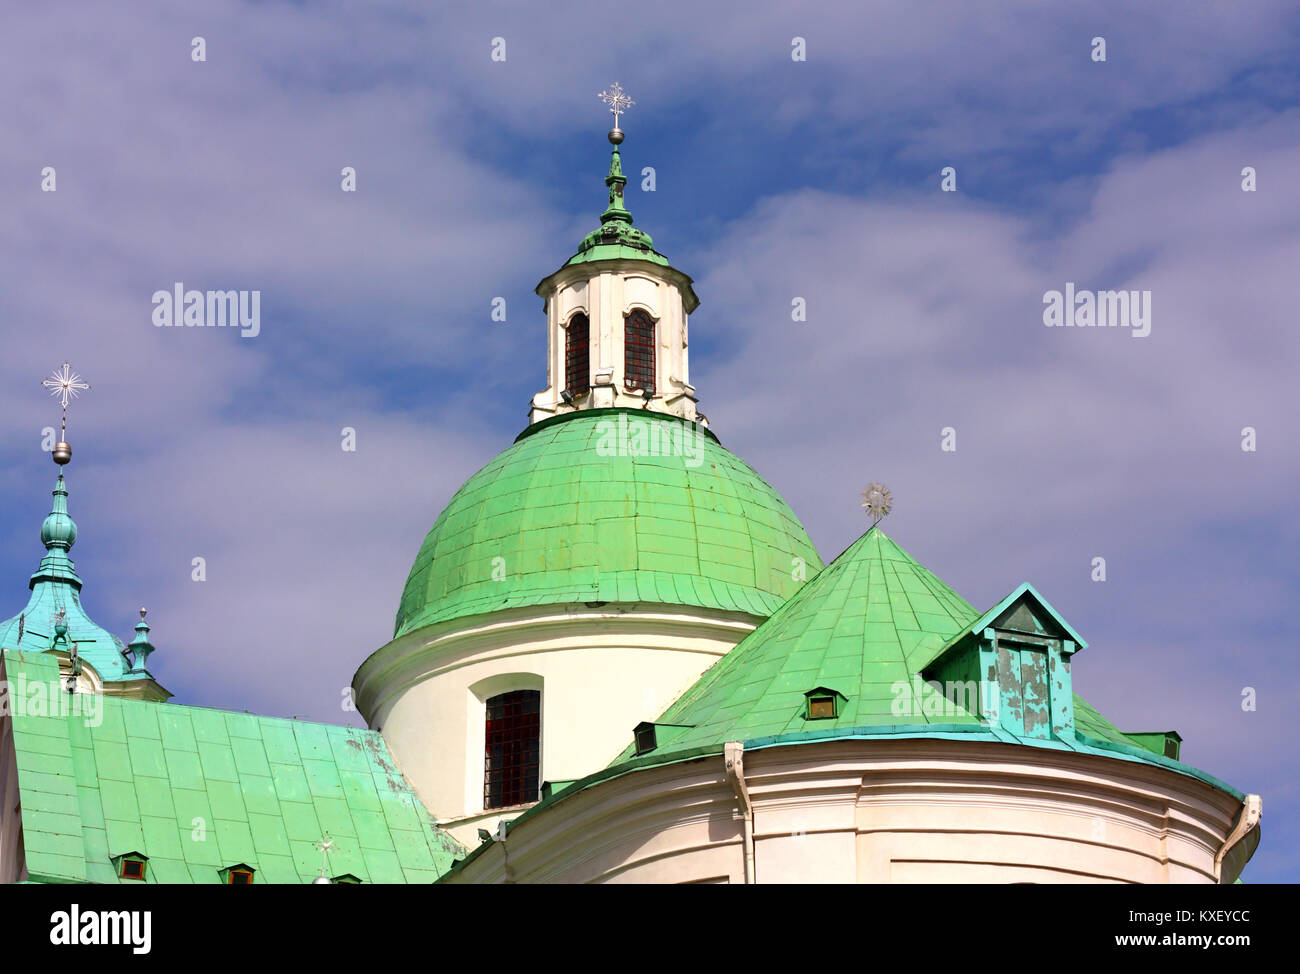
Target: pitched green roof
(872, 618)
(870, 622)
(609, 505)
(198, 790)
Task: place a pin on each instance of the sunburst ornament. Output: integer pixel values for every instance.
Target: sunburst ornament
(877, 501)
(65, 385)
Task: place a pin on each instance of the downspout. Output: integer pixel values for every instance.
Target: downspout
(1251, 812)
(734, 753)
(500, 838)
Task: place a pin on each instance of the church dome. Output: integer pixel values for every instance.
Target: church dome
(610, 505)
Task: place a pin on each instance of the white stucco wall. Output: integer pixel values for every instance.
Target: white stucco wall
(605, 291)
(885, 811)
(600, 672)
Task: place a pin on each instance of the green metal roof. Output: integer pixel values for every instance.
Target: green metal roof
(198, 790)
(872, 618)
(609, 505)
(56, 586)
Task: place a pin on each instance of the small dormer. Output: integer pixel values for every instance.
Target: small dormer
(1018, 655)
(240, 874)
(648, 735)
(131, 866)
(823, 703)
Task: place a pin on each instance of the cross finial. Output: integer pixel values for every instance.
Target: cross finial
(65, 385)
(617, 100)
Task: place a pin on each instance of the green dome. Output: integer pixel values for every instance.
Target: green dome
(609, 505)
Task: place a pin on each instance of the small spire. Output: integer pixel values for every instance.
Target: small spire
(616, 230)
(58, 530)
(139, 648)
(58, 534)
(618, 102)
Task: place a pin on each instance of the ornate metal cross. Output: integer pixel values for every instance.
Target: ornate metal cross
(65, 385)
(617, 100)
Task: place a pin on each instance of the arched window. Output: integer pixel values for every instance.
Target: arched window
(639, 351)
(577, 349)
(512, 748)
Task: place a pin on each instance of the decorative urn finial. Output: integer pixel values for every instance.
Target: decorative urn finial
(139, 648)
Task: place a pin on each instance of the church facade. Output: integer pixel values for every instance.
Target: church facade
(618, 657)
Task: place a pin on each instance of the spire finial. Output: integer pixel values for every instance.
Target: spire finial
(139, 648)
(618, 101)
(64, 385)
(877, 501)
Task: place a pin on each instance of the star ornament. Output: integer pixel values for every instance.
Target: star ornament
(64, 384)
(877, 501)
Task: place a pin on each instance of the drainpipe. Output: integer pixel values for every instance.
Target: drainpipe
(500, 837)
(1252, 810)
(734, 753)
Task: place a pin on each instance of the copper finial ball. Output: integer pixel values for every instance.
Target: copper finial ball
(616, 136)
(62, 452)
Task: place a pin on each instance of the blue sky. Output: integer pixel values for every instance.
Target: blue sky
(775, 179)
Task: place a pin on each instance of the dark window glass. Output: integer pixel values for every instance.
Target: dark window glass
(240, 877)
(577, 351)
(639, 351)
(512, 748)
(821, 707)
(132, 869)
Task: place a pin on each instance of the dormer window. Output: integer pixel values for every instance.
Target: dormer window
(237, 875)
(577, 356)
(822, 703)
(639, 352)
(131, 866)
(647, 735)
